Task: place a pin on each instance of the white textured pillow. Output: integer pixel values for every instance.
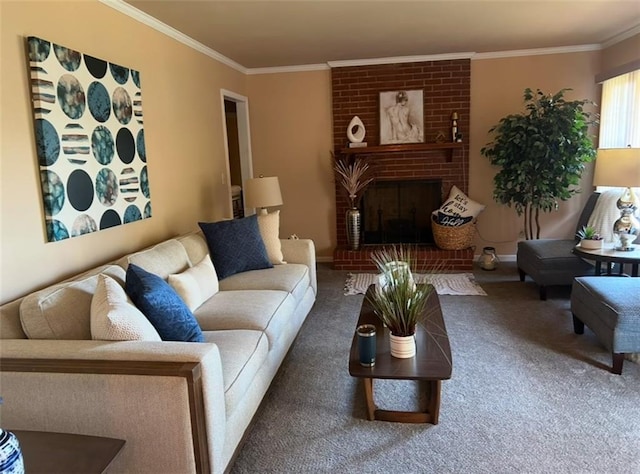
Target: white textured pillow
(460, 205)
(196, 284)
(115, 318)
(269, 225)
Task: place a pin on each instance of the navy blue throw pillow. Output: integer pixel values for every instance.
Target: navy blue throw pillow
(235, 246)
(162, 306)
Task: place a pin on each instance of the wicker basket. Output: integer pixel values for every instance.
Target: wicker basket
(453, 238)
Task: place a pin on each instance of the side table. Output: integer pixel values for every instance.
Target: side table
(46, 452)
(609, 256)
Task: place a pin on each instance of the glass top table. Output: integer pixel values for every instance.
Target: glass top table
(609, 256)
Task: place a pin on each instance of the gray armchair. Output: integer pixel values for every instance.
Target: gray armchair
(550, 262)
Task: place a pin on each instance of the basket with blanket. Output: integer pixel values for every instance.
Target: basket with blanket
(454, 223)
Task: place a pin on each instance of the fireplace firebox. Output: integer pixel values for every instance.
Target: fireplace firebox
(395, 212)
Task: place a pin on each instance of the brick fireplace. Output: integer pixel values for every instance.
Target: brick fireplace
(446, 89)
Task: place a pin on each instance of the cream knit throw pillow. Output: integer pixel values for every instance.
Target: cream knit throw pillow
(115, 318)
(269, 225)
(196, 284)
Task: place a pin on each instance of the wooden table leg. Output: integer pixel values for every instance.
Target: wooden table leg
(429, 415)
(435, 387)
(368, 396)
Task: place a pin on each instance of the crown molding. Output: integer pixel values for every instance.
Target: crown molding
(622, 36)
(399, 59)
(157, 25)
(281, 69)
(538, 51)
(148, 20)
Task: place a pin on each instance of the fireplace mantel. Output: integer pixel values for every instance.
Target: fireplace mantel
(403, 147)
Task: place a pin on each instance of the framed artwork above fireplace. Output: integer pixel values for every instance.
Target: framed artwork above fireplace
(401, 117)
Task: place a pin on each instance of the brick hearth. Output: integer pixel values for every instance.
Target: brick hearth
(427, 257)
(446, 89)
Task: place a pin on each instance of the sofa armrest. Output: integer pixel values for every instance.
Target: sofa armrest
(301, 251)
(165, 399)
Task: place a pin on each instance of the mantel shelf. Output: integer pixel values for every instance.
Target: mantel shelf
(403, 147)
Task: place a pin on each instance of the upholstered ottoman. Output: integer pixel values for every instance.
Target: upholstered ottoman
(610, 307)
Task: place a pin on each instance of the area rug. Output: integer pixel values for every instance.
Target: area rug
(444, 283)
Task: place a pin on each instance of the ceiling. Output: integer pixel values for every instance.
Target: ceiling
(263, 33)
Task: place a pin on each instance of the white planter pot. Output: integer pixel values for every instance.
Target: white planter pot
(591, 244)
(402, 347)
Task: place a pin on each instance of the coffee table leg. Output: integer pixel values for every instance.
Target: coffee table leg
(368, 396)
(435, 387)
(430, 415)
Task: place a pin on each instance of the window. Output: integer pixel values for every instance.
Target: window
(619, 128)
(620, 112)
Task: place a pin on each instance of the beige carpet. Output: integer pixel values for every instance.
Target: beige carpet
(444, 283)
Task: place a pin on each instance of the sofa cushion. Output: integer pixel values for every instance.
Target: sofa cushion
(196, 284)
(260, 310)
(269, 225)
(242, 353)
(292, 278)
(162, 306)
(235, 245)
(63, 311)
(195, 245)
(115, 318)
(162, 259)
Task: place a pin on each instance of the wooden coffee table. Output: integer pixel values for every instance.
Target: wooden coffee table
(66, 453)
(431, 364)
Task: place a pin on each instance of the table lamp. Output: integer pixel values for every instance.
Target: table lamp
(262, 192)
(620, 168)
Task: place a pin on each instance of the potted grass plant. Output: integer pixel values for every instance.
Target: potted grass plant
(397, 300)
(354, 175)
(589, 237)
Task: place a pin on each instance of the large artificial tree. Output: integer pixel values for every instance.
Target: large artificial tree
(542, 154)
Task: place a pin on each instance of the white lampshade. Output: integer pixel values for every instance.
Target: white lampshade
(617, 168)
(262, 192)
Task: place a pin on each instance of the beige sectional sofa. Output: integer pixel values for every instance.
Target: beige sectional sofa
(181, 406)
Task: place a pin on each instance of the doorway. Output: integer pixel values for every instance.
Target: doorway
(235, 109)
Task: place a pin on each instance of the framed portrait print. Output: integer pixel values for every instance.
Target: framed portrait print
(401, 117)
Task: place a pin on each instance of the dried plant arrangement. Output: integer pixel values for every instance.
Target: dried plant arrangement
(354, 174)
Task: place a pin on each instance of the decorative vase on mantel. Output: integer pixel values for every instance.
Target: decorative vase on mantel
(353, 222)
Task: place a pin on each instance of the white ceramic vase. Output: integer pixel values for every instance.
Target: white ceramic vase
(590, 244)
(402, 347)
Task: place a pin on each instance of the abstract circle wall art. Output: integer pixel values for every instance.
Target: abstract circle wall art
(89, 132)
